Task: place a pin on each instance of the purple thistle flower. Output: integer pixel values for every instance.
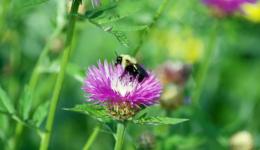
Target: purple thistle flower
(227, 6)
(108, 85)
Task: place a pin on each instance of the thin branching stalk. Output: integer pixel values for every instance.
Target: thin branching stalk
(92, 138)
(5, 6)
(60, 25)
(144, 33)
(59, 82)
(35, 78)
(15, 140)
(36, 73)
(205, 65)
(120, 133)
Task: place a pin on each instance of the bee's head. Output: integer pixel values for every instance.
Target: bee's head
(125, 60)
(119, 60)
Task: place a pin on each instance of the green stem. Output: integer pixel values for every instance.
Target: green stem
(3, 13)
(145, 32)
(203, 69)
(36, 74)
(18, 132)
(120, 133)
(59, 82)
(92, 138)
(34, 79)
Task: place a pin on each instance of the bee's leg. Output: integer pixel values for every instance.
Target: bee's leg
(140, 78)
(124, 74)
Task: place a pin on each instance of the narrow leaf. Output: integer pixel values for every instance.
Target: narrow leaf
(124, 27)
(121, 37)
(3, 126)
(142, 113)
(111, 19)
(76, 72)
(95, 111)
(25, 103)
(159, 120)
(73, 70)
(40, 114)
(91, 14)
(21, 5)
(131, 27)
(6, 101)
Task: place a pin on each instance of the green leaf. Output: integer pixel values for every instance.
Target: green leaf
(6, 101)
(91, 14)
(123, 10)
(49, 67)
(25, 103)
(94, 111)
(124, 27)
(40, 114)
(73, 70)
(158, 120)
(132, 27)
(121, 37)
(76, 72)
(112, 19)
(21, 5)
(4, 126)
(142, 113)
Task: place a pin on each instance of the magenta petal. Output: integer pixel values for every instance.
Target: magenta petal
(105, 83)
(227, 6)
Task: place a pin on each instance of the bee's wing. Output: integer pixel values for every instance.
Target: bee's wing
(141, 70)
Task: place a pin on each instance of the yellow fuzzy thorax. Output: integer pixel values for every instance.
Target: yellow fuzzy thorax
(127, 60)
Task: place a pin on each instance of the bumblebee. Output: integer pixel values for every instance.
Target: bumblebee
(131, 67)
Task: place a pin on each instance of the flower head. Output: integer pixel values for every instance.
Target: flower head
(124, 96)
(174, 76)
(174, 72)
(242, 140)
(226, 6)
(252, 11)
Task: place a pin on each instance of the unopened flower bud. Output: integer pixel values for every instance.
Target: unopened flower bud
(81, 9)
(146, 141)
(57, 45)
(174, 72)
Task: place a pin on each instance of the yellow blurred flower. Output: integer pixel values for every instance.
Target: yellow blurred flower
(252, 11)
(242, 140)
(185, 46)
(172, 97)
(181, 45)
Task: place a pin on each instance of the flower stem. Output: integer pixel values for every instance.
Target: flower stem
(92, 138)
(35, 74)
(145, 32)
(203, 69)
(34, 79)
(120, 133)
(15, 140)
(59, 82)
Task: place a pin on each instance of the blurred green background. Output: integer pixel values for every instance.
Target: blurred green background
(224, 54)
